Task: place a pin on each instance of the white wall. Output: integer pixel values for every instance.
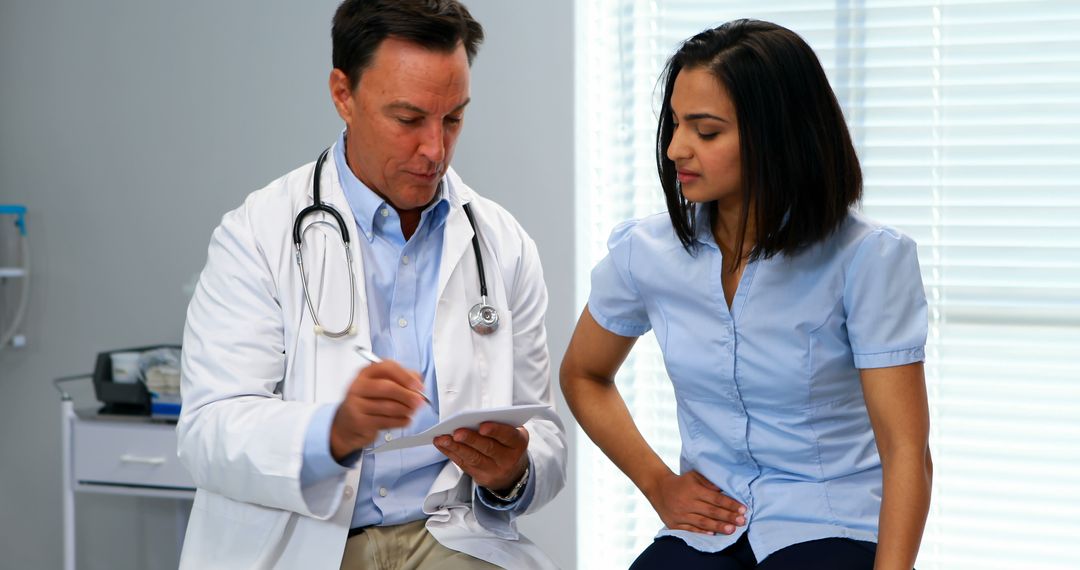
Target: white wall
(129, 127)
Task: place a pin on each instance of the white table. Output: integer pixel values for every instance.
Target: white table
(119, 455)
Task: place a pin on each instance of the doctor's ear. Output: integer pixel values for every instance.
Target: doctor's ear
(341, 92)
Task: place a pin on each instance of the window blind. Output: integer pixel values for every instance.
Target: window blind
(966, 117)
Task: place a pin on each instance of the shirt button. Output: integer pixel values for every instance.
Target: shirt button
(383, 492)
(388, 436)
(348, 492)
(402, 322)
(404, 260)
(385, 212)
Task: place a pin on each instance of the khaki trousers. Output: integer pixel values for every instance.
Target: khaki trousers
(404, 547)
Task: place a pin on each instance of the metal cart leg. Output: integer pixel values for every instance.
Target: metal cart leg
(68, 494)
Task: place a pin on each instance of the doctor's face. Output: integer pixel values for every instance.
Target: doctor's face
(404, 118)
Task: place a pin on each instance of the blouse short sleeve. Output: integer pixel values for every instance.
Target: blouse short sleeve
(614, 301)
(885, 302)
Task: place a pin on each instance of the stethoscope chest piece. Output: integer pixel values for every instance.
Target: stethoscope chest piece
(483, 318)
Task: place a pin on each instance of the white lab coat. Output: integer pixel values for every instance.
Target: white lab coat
(254, 373)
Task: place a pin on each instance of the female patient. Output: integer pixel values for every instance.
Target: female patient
(792, 327)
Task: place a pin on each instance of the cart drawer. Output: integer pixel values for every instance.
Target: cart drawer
(113, 453)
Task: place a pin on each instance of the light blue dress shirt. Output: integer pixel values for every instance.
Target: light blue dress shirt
(769, 401)
(401, 279)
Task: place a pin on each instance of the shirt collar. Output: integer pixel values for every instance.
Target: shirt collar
(366, 204)
(703, 220)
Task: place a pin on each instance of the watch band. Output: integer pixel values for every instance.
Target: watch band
(515, 491)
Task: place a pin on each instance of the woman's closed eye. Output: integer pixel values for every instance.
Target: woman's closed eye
(703, 134)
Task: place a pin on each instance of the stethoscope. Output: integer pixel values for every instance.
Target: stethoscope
(483, 318)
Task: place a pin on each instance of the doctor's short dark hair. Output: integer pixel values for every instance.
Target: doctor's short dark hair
(800, 172)
(360, 26)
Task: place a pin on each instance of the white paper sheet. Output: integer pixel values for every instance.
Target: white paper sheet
(471, 419)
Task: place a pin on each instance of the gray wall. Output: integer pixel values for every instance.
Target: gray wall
(518, 148)
(129, 127)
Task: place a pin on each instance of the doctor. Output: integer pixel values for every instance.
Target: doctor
(280, 413)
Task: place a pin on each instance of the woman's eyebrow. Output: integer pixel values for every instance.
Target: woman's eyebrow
(696, 116)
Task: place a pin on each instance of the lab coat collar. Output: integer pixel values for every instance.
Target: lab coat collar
(458, 233)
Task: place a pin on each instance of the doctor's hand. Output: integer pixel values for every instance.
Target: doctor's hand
(383, 396)
(494, 456)
(690, 502)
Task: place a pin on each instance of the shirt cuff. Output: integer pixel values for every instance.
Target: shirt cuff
(319, 464)
(889, 359)
(621, 327)
(518, 505)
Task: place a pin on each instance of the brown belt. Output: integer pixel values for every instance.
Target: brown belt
(355, 531)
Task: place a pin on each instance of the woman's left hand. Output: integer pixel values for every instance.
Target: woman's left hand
(693, 503)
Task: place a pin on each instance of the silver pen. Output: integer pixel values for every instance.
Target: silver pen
(374, 359)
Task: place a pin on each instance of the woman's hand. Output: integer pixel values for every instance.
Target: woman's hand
(690, 502)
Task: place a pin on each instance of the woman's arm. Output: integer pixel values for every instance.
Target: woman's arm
(684, 502)
(896, 400)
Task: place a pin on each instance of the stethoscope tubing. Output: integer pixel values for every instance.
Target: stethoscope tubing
(318, 206)
(483, 318)
(476, 251)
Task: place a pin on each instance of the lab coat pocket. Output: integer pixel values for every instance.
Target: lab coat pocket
(232, 533)
(439, 502)
(492, 369)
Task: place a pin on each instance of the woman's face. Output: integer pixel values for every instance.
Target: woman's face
(705, 142)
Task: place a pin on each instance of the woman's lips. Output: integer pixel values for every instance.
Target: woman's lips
(687, 177)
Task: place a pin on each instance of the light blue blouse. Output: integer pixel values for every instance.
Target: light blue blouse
(770, 406)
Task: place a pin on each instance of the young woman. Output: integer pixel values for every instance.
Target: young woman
(792, 327)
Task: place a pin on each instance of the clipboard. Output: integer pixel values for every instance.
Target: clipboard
(470, 419)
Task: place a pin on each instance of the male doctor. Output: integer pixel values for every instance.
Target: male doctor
(279, 418)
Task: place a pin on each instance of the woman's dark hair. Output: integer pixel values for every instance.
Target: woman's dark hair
(800, 173)
(360, 26)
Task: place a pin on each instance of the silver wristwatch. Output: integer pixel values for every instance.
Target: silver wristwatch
(515, 491)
